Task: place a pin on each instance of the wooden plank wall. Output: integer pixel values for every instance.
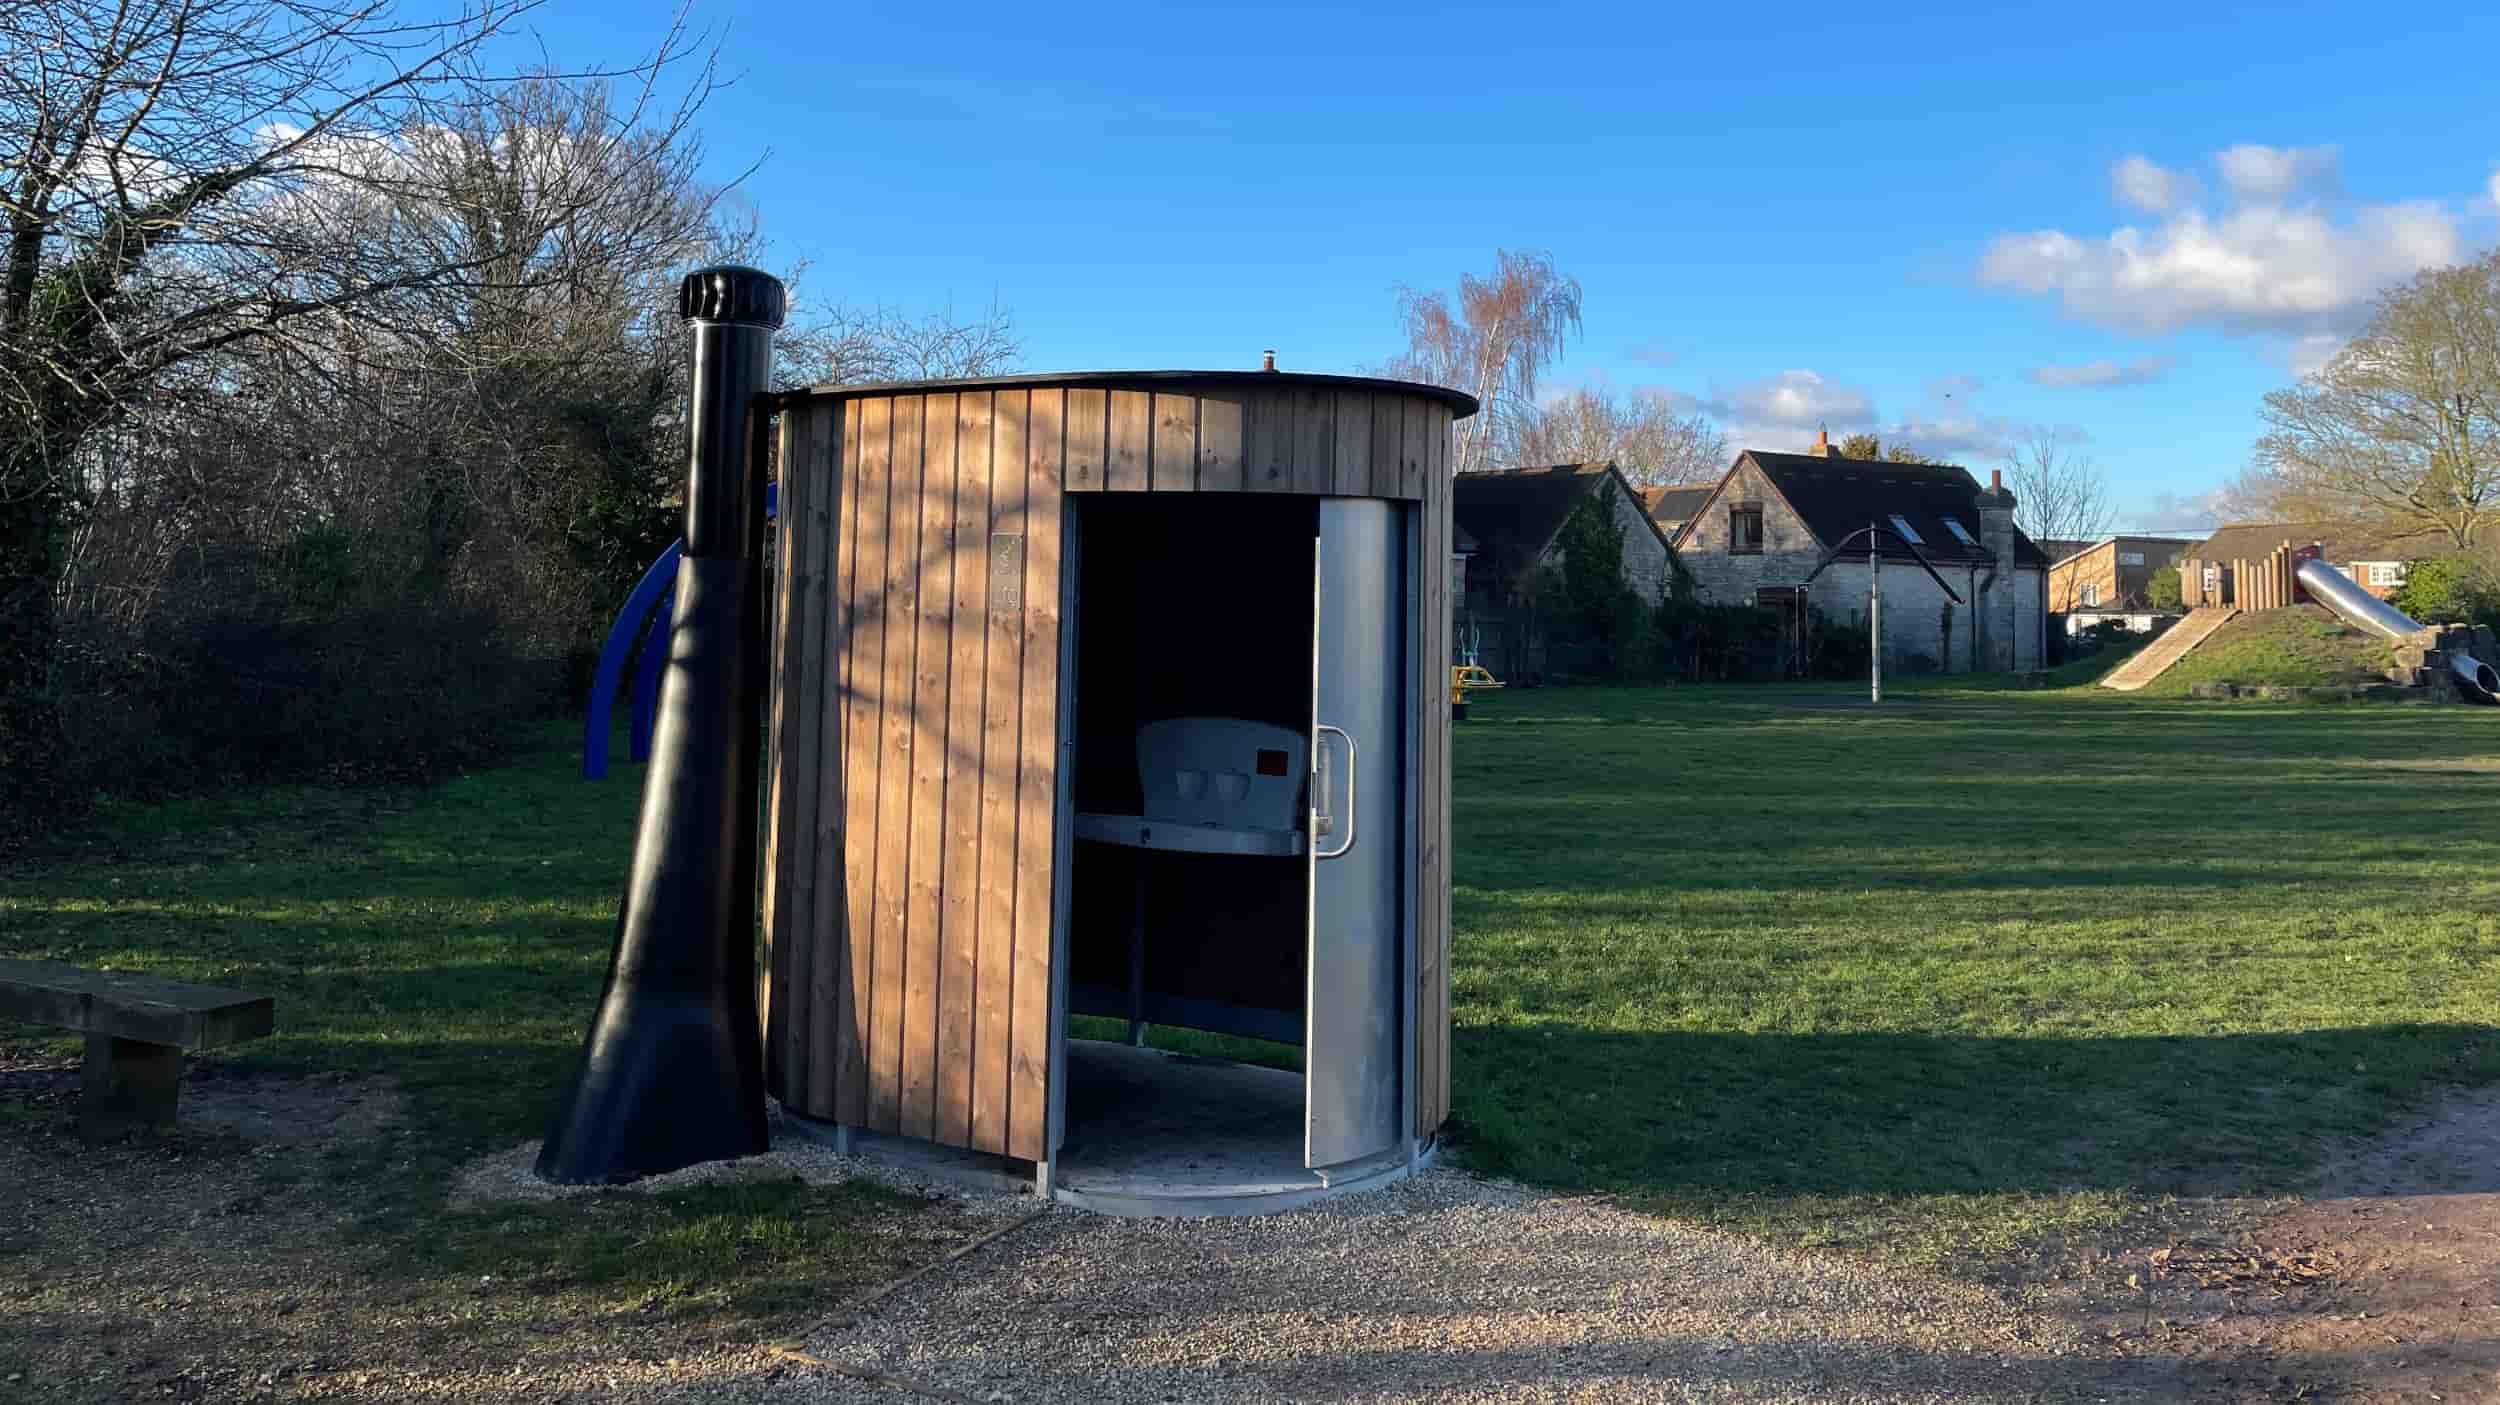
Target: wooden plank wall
(914, 731)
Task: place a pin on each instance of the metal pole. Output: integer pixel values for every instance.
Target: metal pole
(1874, 618)
(672, 1067)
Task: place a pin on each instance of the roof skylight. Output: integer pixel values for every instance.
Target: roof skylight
(1908, 533)
(1959, 531)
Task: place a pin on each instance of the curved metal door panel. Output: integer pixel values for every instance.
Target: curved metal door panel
(1352, 1047)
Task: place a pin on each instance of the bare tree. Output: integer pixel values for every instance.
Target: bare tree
(188, 178)
(1503, 333)
(2058, 491)
(2402, 428)
(1639, 433)
(849, 346)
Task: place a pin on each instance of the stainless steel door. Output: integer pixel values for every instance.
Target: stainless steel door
(1352, 1050)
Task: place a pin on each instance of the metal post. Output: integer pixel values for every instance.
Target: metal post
(672, 1067)
(1874, 617)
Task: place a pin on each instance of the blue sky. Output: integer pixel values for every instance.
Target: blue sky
(1949, 225)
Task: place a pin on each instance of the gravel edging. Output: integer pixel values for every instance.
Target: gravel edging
(1446, 1287)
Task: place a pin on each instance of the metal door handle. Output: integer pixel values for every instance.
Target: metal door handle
(1353, 761)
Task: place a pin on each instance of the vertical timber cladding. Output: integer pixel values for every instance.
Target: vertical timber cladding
(914, 729)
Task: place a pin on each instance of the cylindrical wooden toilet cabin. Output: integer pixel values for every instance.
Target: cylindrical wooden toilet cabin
(1106, 702)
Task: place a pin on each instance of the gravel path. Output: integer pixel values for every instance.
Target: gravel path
(1447, 1288)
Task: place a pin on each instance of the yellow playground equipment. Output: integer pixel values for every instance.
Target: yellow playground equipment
(1468, 675)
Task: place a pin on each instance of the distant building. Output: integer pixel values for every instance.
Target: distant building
(1773, 517)
(2114, 573)
(1507, 521)
(1671, 508)
(1514, 514)
(2375, 561)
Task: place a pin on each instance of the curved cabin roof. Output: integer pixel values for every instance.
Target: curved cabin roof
(1461, 404)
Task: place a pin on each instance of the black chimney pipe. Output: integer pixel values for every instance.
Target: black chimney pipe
(672, 1068)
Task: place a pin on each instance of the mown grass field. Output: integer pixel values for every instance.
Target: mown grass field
(2299, 645)
(1967, 968)
(1952, 973)
(452, 938)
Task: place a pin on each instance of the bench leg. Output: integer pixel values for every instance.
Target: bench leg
(128, 1084)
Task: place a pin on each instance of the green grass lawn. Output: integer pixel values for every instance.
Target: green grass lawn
(2299, 646)
(454, 939)
(1955, 972)
(1966, 968)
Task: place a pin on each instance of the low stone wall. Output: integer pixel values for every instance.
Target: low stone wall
(2324, 692)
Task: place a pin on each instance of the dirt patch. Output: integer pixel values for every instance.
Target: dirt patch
(219, 1100)
(2383, 1286)
(226, 1262)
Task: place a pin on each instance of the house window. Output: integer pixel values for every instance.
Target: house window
(1960, 532)
(2387, 573)
(2213, 583)
(2091, 593)
(1744, 529)
(1908, 533)
(2131, 558)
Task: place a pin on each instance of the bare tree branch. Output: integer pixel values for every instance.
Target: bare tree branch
(1504, 332)
(1640, 433)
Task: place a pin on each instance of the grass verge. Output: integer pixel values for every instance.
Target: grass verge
(451, 938)
(1968, 969)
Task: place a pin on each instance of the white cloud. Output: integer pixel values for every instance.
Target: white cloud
(2263, 268)
(1963, 438)
(1783, 412)
(2492, 186)
(2142, 371)
(2307, 355)
(2262, 261)
(2174, 512)
(2150, 186)
(2275, 173)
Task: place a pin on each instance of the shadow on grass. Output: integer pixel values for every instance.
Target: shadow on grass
(1702, 1120)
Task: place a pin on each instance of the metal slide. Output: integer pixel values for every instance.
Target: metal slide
(2343, 595)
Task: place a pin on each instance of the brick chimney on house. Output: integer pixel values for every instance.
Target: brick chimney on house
(1822, 443)
(1996, 606)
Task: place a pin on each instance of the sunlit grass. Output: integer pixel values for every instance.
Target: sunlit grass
(1967, 968)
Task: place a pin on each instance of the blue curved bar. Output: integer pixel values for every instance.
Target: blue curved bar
(647, 679)
(647, 592)
(653, 594)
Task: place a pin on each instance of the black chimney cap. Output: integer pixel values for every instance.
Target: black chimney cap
(731, 292)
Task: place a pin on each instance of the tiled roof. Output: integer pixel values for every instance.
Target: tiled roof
(2251, 541)
(1673, 505)
(1838, 496)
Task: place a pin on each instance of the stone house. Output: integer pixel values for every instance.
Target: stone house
(1509, 519)
(2376, 562)
(1513, 516)
(1773, 518)
(1672, 507)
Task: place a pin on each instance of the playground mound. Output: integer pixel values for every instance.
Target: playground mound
(2298, 646)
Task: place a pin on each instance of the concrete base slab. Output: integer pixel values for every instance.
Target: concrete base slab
(1151, 1133)
(944, 1165)
(1156, 1133)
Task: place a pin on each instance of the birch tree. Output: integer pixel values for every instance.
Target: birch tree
(1494, 343)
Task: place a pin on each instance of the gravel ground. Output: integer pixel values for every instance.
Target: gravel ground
(512, 1175)
(1447, 1288)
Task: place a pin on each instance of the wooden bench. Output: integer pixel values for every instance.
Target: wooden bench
(137, 1027)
